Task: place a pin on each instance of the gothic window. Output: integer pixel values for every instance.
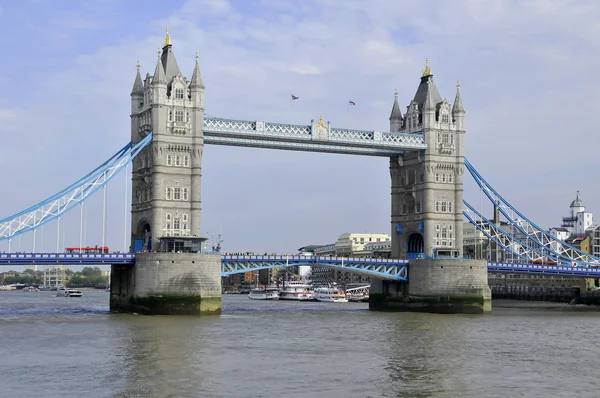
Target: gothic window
(445, 138)
(449, 207)
(169, 160)
(185, 194)
(186, 161)
(187, 117)
(437, 177)
(169, 193)
(437, 227)
(176, 193)
(443, 177)
(179, 115)
(176, 223)
(437, 206)
(168, 216)
(170, 115)
(177, 161)
(185, 218)
(443, 206)
(450, 178)
(450, 227)
(445, 118)
(178, 93)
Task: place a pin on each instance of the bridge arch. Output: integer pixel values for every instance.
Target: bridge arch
(142, 238)
(415, 246)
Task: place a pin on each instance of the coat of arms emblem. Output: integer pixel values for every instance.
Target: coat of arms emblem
(320, 130)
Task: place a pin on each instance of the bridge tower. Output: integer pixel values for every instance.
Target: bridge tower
(426, 214)
(427, 186)
(171, 275)
(166, 176)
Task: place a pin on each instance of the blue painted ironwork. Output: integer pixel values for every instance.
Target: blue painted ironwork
(561, 270)
(318, 137)
(25, 259)
(76, 193)
(381, 268)
(534, 237)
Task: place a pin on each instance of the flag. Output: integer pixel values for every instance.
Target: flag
(294, 97)
(352, 103)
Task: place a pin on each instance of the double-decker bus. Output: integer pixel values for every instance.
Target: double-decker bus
(88, 250)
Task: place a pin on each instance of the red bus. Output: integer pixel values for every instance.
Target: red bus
(88, 250)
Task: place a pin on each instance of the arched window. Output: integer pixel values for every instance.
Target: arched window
(179, 115)
(176, 193)
(449, 207)
(169, 160)
(187, 117)
(443, 177)
(186, 161)
(437, 206)
(450, 178)
(169, 193)
(170, 115)
(177, 161)
(443, 206)
(168, 216)
(437, 177)
(178, 93)
(185, 197)
(445, 118)
(176, 223)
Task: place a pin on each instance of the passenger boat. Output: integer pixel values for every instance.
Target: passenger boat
(358, 297)
(262, 293)
(64, 292)
(330, 294)
(295, 290)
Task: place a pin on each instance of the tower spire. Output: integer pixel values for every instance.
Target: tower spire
(159, 72)
(458, 107)
(197, 76)
(167, 37)
(396, 113)
(427, 69)
(138, 86)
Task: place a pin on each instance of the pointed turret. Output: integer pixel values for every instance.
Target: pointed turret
(458, 106)
(396, 115)
(168, 59)
(159, 72)
(138, 86)
(427, 84)
(196, 81)
(458, 110)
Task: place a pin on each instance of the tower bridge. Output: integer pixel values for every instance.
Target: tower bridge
(166, 271)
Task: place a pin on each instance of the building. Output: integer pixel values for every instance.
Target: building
(353, 244)
(166, 175)
(474, 241)
(579, 220)
(427, 186)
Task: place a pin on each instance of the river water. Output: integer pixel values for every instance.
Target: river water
(73, 347)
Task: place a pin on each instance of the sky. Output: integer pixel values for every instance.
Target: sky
(527, 71)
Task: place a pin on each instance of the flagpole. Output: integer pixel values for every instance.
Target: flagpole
(348, 115)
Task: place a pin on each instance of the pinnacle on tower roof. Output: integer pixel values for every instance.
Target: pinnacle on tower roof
(427, 69)
(196, 76)
(577, 202)
(159, 72)
(138, 86)
(458, 106)
(396, 113)
(167, 37)
(429, 104)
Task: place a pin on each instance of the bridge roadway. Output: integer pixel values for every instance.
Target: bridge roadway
(391, 269)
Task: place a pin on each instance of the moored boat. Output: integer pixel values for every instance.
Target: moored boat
(295, 290)
(330, 295)
(262, 293)
(64, 292)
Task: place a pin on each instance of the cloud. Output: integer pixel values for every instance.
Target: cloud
(527, 84)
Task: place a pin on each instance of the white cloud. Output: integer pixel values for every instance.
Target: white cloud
(528, 76)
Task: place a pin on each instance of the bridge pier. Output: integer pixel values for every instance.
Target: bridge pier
(168, 284)
(448, 286)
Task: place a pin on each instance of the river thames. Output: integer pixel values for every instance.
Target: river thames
(73, 347)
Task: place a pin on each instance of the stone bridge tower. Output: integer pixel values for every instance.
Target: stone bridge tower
(427, 186)
(166, 175)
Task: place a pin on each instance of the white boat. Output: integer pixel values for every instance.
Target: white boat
(64, 292)
(295, 290)
(358, 297)
(330, 295)
(261, 293)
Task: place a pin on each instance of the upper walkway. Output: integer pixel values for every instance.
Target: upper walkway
(315, 137)
(382, 268)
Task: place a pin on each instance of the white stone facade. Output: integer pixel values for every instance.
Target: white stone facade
(166, 176)
(427, 186)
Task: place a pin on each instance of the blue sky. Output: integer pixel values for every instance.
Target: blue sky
(527, 71)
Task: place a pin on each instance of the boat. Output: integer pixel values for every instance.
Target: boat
(358, 297)
(264, 293)
(330, 295)
(64, 292)
(31, 289)
(295, 290)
